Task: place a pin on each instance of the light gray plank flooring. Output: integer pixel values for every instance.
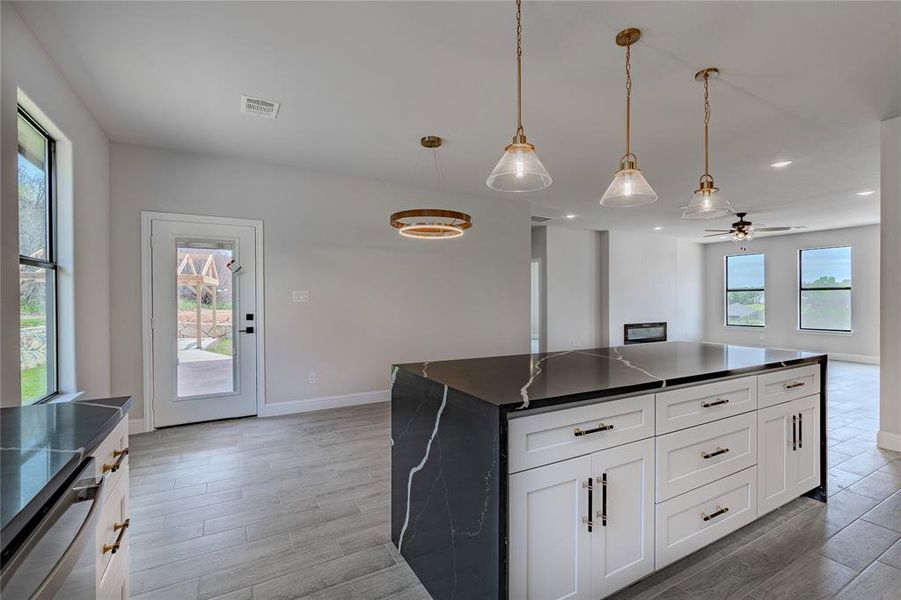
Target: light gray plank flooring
(298, 507)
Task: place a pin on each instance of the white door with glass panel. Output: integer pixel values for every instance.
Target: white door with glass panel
(203, 324)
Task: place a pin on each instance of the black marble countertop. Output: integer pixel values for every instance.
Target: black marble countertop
(42, 446)
(533, 380)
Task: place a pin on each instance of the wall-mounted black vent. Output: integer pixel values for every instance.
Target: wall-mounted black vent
(537, 219)
(643, 333)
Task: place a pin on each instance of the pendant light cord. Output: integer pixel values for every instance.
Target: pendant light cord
(628, 98)
(519, 129)
(706, 125)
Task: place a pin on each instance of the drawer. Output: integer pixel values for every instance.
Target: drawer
(115, 584)
(782, 386)
(109, 457)
(699, 404)
(557, 435)
(693, 520)
(694, 457)
(113, 514)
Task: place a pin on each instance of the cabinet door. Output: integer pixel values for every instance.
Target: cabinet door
(805, 471)
(549, 542)
(774, 450)
(622, 540)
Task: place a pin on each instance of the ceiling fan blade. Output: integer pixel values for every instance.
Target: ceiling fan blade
(773, 228)
(720, 230)
(722, 235)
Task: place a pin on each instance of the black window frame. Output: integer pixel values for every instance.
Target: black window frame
(50, 262)
(728, 289)
(802, 289)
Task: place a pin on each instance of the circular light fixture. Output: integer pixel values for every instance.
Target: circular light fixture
(658, 228)
(570, 216)
(780, 164)
(431, 223)
(866, 193)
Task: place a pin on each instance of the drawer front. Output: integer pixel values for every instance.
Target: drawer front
(700, 404)
(694, 457)
(782, 386)
(115, 584)
(109, 457)
(691, 521)
(553, 436)
(109, 531)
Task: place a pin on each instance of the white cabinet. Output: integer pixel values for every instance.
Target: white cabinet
(583, 527)
(788, 451)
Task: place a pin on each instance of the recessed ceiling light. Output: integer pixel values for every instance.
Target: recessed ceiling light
(780, 164)
(658, 228)
(570, 216)
(866, 193)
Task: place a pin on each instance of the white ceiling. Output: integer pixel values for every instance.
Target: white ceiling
(360, 82)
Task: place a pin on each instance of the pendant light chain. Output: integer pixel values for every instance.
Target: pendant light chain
(628, 98)
(706, 125)
(519, 129)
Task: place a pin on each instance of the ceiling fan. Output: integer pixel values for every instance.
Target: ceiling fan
(743, 230)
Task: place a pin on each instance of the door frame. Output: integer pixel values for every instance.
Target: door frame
(147, 217)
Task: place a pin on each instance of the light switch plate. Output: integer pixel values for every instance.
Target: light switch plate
(300, 296)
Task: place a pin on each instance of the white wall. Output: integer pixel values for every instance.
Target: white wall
(655, 278)
(376, 298)
(889, 435)
(30, 76)
(781, 266)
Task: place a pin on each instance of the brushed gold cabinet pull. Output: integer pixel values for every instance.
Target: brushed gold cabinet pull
(112, 468)
(794, 384)
(719, 511)
(716, 402)
(794, 432)
(578, 431)
(588, 485)
(120, 527)
(716, 452)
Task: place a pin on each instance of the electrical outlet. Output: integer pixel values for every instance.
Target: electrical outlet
(300, 296)
(311, 377)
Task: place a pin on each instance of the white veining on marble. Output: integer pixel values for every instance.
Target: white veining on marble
(417, 468)
(536, 371)
(425, 370)
(619, 357)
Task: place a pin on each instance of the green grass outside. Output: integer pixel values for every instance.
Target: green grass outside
(221, 346)
(34, 384)
(32, 321)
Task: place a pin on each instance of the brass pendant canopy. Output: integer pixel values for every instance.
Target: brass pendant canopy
(519, 169)
(629, 187)
(707, 202)
(431, 223)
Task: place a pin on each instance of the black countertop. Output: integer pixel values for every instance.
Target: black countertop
(42, 446)
(533, 380)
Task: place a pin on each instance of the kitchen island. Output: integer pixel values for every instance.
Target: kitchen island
(577, 473)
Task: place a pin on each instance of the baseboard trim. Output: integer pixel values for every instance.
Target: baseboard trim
(313, 404)
(135, 426)
(888, 440)
(857, 358)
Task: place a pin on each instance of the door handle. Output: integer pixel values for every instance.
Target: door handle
(588, 485)
(716, 452)
(800, 430)
(246, 330)
(578, 431)
(794, 433)
(604, 499)
(716, 402)
(719, 511)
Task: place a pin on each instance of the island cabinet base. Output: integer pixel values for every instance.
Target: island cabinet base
(529, 490)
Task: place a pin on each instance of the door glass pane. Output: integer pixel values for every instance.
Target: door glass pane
(36, 333)
(826, 309)
(33, 188)
(205, 315)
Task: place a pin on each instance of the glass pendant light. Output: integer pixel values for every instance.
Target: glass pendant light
(629, 187)
(708, 202)
(519, 169)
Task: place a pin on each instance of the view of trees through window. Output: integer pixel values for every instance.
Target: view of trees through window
(37, 268)
(825, 295)
(745, 295)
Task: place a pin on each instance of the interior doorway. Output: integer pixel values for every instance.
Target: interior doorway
(535, 338)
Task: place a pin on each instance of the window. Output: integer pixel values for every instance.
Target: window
(37, 262)
(745, 297)
(825, 294)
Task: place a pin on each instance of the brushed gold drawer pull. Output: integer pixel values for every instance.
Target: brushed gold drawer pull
(713, 515)
(716, 452)
(112, 468)
(120, 527)
(793, 385)
(716, 402)
(578, 431)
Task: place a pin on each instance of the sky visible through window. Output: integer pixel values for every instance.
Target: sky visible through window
(821, 264)
(746, 272)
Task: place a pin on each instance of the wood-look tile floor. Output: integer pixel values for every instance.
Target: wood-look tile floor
(298, 507)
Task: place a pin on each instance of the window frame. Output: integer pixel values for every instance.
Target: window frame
(802, 289)
(50, 263)
(726, 291)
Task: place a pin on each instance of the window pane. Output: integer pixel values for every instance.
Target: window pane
(745, 308)
(205, 312)
(33, 192)
(826, 267)
(36, 333)
(826, 309)
(745, 272)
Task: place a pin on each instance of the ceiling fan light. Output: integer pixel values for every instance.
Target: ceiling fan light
(628, 188)
(707, 203)
(519, 170)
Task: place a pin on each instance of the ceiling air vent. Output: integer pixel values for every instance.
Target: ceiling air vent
(259, 107)
(536, 219)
